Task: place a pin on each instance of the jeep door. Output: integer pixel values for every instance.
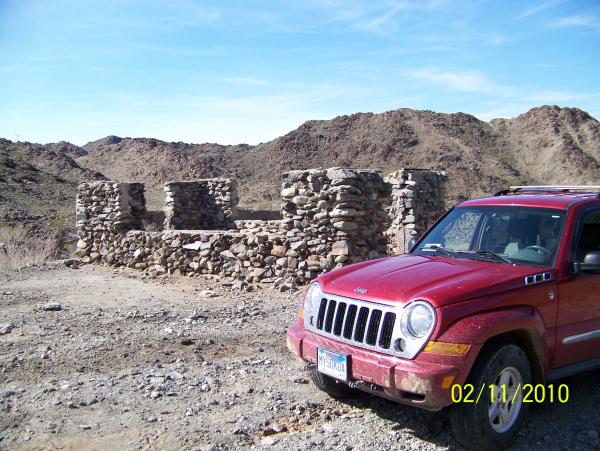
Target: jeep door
(578, 324)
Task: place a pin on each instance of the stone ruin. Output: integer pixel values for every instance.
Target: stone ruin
(417, 201)
(330, 218)
(201, 204)
(104, 206)
(338, 214)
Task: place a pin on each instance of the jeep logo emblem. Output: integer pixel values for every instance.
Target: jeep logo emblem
(361, 290)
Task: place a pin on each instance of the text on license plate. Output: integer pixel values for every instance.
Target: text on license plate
(332, 363)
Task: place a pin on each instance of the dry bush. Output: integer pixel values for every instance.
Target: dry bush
(20, 246)
(154, 220)
(151, 225)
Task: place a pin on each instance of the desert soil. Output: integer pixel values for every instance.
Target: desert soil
(130, 363)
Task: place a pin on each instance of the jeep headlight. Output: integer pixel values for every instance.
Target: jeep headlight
(312, 302)
(418, 320)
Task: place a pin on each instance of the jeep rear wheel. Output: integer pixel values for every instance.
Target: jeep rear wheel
(329, 385)
(492, 422)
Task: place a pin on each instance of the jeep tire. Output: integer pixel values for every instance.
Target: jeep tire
(491, 424)
(329, 385)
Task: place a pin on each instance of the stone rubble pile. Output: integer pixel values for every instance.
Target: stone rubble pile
(205, 204)
(417, 201)
(255, 226)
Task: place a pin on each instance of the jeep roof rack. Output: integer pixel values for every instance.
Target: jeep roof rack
(550, 189)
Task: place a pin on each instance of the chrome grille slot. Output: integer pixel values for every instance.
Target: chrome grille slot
(321, 316)
(385, 337)
(339, 318)
(372, 332)
(329, 317)
(350, 318)
(361, 324)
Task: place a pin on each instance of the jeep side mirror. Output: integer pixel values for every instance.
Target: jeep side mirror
(590, 264)
(412, 241)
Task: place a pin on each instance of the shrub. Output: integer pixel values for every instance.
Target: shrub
(21, 246)
(151, 225)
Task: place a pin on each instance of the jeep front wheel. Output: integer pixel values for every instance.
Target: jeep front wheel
(329, 385)
(492, 422)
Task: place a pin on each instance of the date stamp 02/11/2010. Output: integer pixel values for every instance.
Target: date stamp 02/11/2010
(530, 393)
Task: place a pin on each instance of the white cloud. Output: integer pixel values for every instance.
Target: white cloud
(578, 20)
(378, 23)
(554, 96)
(507, 100)
(466, 81)
(538, 8)
(224, 119)
(375, 17)
(496, 39)
(113, 16)
(245, 81)
(560, 96)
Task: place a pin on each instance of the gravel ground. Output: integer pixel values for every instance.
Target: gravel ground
(188, 363)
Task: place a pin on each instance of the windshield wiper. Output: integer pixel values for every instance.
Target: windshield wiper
(494, 255)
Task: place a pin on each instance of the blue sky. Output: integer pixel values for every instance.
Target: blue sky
(234, 71)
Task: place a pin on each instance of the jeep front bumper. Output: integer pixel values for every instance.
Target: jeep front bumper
(424, 382)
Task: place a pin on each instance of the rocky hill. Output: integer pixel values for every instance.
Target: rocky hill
(38, 182)
(157, 162)
(545, 145)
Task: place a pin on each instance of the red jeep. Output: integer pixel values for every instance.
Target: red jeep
(500, 297)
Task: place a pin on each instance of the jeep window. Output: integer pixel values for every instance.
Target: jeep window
(589, 240)
(515, 235)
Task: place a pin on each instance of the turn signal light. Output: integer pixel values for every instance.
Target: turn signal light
(439, 347)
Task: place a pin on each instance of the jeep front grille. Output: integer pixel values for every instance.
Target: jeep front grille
(363, 324)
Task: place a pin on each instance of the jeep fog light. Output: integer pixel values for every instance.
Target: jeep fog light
(418, 319)
(312, 302)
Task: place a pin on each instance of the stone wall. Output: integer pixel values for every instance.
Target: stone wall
(201, 204)
(331, 218)
(107, 205)
(253, 257)
(335, 216)
(417, 201)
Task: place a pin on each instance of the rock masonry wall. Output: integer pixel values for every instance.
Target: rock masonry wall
(335, 216)
(331, 218)
(417, 201)
(201, 204)
(102, 206)
(104, 210)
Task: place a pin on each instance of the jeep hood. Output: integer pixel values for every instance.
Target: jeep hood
(439, 280)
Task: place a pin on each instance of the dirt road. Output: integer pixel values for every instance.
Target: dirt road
(129, 363)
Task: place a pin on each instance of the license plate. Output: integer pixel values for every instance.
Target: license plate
(332, 363)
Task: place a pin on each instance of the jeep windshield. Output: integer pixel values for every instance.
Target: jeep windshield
(507, 235)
